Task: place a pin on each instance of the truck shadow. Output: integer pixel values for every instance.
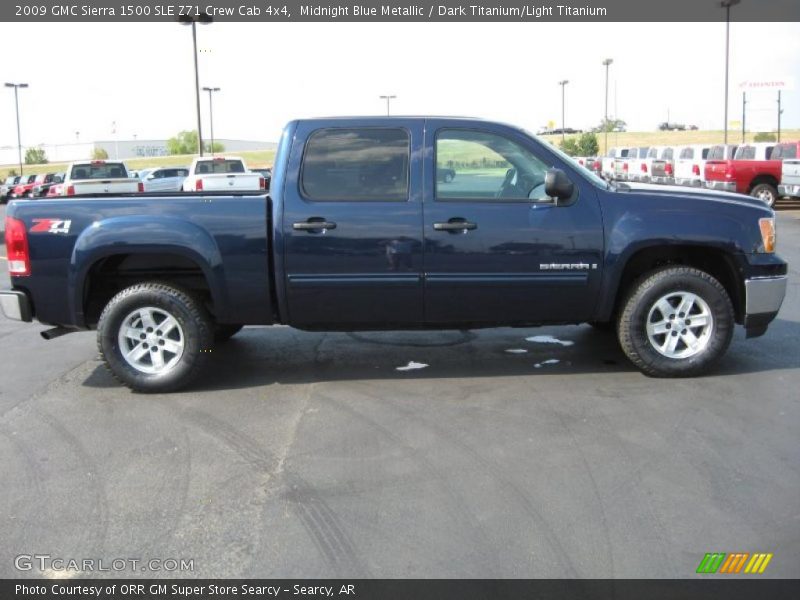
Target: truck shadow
(260, 356)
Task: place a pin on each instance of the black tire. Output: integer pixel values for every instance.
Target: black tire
(222, 333)
(448, 177)
(766, 192)
(196, 335)
(640, 304)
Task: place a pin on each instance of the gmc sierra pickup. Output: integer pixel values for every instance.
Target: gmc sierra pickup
(359, 232)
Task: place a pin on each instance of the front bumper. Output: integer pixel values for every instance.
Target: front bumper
(721, 186)
(763, 299)
(789, 190)
(15, 305)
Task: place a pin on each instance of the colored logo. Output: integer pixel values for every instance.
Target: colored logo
(734, 563)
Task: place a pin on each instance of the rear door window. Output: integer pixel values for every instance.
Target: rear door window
(356, 164)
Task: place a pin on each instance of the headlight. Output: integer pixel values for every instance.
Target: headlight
(767, 227)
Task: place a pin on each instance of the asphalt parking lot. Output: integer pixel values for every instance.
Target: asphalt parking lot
(314, 455)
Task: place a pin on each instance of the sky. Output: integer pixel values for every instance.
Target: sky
(84, 76)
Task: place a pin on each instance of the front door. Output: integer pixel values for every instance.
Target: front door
(497, 250)
(352, 225)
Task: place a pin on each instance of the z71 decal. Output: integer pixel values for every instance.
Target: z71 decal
(50, 226)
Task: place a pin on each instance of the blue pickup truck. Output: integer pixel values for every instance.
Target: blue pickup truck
(358, 232)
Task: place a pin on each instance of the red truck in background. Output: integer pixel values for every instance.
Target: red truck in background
(751, 171)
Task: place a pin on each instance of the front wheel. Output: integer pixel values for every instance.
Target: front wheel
(676, 322)
(765, 192)
(154, 337)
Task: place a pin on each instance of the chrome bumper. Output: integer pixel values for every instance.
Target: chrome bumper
(15, 305)
(789, 190)
(664, 180)
(722, 186)
(689, 182)
(764, 294)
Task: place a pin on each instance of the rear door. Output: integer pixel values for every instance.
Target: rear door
(497, 251)
(352, 225)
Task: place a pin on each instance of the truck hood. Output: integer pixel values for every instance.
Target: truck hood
(670, 191)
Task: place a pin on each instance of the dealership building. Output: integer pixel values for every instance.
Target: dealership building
(120, 149)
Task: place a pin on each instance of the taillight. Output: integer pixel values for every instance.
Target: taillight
(696, 170)
(644, 167)
(262, 183)
(668, 168)
(198, 185)
(140, 187)
(19, 264)
(625, 167)
(70, 190)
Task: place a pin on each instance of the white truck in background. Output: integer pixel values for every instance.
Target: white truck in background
(790, 173)
(99, 177)
(607, 162)
(221, 174)
(690, 165)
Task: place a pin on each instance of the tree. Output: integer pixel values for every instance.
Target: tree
(218, 147)
(570, 146)
(99, 154)
(765, 136)
(587, 145)
(185, 142)
(611, 125)
(35, 156)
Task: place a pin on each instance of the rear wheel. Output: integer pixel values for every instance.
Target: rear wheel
(766, 193)
(154, 337)
(676, 322)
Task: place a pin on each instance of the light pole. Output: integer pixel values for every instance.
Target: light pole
(210, 91)
(563, 85)
(606, 63)
(388, 100)
(193, 20)
(16, 87)
(726, 4)
(116, 143)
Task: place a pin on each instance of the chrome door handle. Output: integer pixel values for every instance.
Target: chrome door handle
(455, 225)
(313, 225)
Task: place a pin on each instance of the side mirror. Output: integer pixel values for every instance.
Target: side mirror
(557, 185)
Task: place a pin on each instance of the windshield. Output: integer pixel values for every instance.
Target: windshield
(99, 171)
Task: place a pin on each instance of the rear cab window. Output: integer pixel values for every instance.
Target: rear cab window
(217, 166)
(103, 170)
(356, 164)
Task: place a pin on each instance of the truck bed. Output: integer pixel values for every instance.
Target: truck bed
(224, 236)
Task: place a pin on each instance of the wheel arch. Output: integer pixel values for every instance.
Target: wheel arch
(123, 251)
(715, 261)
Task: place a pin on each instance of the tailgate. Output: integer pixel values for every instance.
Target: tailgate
(106, 186)
(791, 172)
(717, 169)
(231, 181)
(659, 168)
